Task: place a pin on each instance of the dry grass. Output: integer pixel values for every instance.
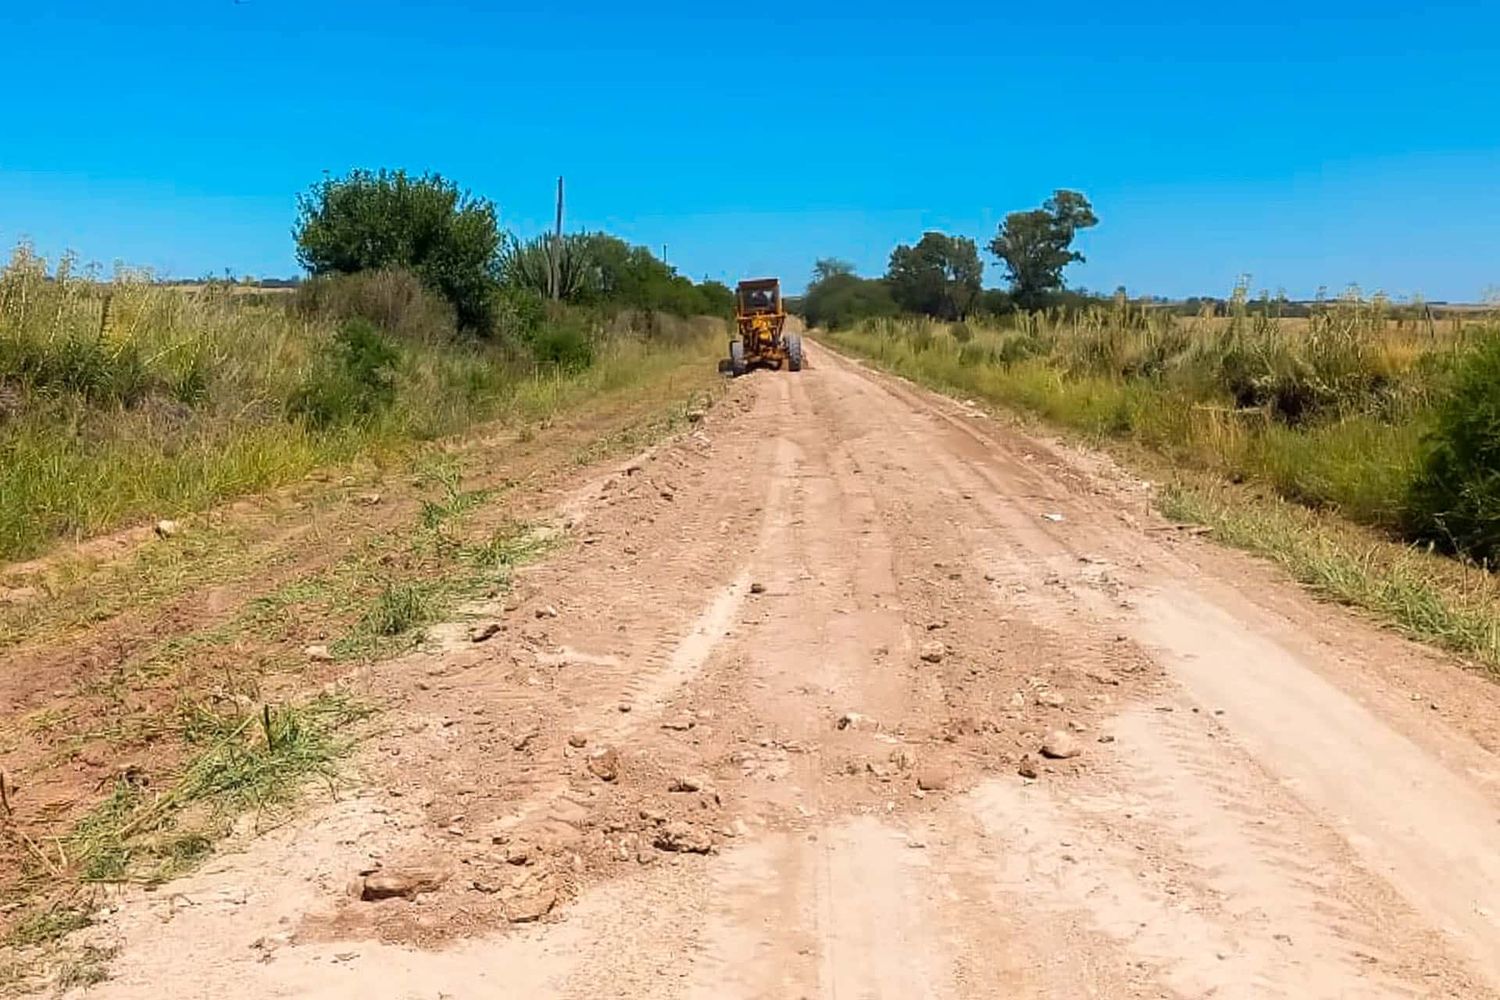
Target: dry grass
(123, 401)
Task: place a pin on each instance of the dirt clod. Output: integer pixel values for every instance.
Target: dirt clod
(318, 653)
(933, 652)
(1027, 768)
(168, 529)
(1060, 744)
(933, 778)
(604, 764)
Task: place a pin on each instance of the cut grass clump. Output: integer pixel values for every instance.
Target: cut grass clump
(46, 926)
(401, 608)
(89, 967)
(246, 761)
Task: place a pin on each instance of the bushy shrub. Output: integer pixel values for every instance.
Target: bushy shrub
(1454, 501)
(374, 220)
(564, 345)
(352, 382)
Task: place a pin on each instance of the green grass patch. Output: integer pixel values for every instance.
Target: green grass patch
(1422, 595)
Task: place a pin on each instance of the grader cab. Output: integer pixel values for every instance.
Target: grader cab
(761, 340)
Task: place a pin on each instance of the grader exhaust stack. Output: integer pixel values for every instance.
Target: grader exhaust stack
(760, 340)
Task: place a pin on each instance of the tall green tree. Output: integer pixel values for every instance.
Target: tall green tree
(372, 220)
(939, 276)
(1036, 246)
(837, 297)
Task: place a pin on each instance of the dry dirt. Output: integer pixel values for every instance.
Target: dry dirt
(759, 729)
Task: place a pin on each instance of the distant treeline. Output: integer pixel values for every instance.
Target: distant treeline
(941, 277)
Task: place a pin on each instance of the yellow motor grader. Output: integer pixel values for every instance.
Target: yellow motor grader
(760, 341)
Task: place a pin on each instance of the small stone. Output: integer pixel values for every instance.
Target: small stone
(399, 884)
(1027, 767)
(604, 764)
(688, 783)
(933, 778)
(851, 720)
(168, 529)
(933, 652)
(367, 499)
(530, 905)
(578, 741)
(1048, 698)
(757, 588)
(680, 837)
(1060, 745)
(318, 653)
(1102, 676)
(481, 633)
(1106, 738)
(547, 611)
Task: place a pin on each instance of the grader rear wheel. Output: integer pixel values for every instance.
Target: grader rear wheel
(736, 358)
(794, 352)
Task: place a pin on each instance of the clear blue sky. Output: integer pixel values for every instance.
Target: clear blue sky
(1304, 143)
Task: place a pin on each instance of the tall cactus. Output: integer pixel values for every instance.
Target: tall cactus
(529, 264)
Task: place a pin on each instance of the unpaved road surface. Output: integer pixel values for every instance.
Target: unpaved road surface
(758, 729)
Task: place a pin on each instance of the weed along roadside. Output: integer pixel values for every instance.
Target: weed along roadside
(1330, 445)
(197, 684)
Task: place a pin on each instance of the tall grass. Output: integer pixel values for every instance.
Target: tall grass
(122, 399)
(1333, 411)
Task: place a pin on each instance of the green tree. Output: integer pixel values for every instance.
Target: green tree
(1035, 246)
(939, 276)
(837, 297)
(387, 219)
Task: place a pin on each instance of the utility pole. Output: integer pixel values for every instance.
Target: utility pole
(663, 253)
(555, 277)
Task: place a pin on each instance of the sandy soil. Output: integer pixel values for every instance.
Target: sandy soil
(759, 729)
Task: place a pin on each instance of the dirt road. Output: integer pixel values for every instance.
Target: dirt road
(759, 729)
